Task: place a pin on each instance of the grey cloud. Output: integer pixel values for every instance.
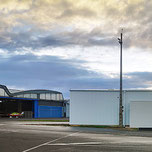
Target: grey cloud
(15, 41)
(31, 72)
(141, 75)
(137, 15)
(84, 12)
(70, 10)
(76, 37)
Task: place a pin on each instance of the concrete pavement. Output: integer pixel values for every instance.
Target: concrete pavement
(17, 136)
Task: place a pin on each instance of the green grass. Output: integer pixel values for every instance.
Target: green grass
(95, 126)
(103, 126)
(67, 125)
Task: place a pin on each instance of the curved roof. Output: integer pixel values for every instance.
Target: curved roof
(38, 91)
(6, 90)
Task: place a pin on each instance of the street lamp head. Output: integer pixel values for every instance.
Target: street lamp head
(119, 40)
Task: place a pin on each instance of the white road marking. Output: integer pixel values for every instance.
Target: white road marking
(92, 144)
(49, 142)
(2, 124)
(86, 143)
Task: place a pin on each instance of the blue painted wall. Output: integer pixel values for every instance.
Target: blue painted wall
(36, 107)
(49, 112)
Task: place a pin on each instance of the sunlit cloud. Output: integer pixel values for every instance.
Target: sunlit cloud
(81, 34)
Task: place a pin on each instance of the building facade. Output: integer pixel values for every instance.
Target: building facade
(34, 103)
(101, 107)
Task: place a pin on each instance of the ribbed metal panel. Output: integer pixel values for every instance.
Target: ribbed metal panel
(49, 112)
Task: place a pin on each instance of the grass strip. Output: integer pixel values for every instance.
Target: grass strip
(89, 126)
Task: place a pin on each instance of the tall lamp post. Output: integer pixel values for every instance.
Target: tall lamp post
(120, 96)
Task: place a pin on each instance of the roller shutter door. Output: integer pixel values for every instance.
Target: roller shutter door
(49, 112)
(141, 114)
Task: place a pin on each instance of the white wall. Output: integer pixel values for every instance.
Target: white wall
(1, 92)
(131, 96)
(141, 114)
(101, 107)
(94, 108)
(67, 110)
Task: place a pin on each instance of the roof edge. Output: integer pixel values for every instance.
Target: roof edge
(110, 90)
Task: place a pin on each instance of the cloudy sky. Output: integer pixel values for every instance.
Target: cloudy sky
(67, 44)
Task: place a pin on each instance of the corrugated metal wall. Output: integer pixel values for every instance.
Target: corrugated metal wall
(49, 112)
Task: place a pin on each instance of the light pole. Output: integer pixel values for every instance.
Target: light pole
(120, 96)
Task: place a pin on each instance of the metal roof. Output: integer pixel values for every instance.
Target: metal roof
(37, 92)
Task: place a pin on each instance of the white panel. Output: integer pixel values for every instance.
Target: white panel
(48, 96)
(1, 92)
(20, 96)
(5, 94)
(53, 96)
(67, 109)
(83, 103)
(134, 96)
(27, 95)
(57, 96)
(141, 114)
(42, 96)
(34, 96)
(94, 108)
(61, 97)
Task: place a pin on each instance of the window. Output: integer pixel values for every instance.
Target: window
(34, 96)
(53, 96)
(27, 95)
(42, 96)
(20, 96)
(48, 96)
(57, 96)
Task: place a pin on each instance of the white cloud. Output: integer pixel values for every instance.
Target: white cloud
(103, 60)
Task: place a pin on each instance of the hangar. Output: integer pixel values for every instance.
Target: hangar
(34, 103)
(101, 107)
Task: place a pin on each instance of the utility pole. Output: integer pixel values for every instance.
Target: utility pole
(120, 96)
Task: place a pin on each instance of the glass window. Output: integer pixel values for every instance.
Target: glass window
(57, 96)
(48, 96)
(20, 96)
(42, 96)
(60, 97)
(34, 96)
(27, 95)
(53, 96)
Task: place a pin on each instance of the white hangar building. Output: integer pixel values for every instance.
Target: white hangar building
(101, 107)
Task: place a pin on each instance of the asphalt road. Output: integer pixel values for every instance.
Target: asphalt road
(17, 136)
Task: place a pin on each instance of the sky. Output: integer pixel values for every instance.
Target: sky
(66, 44)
